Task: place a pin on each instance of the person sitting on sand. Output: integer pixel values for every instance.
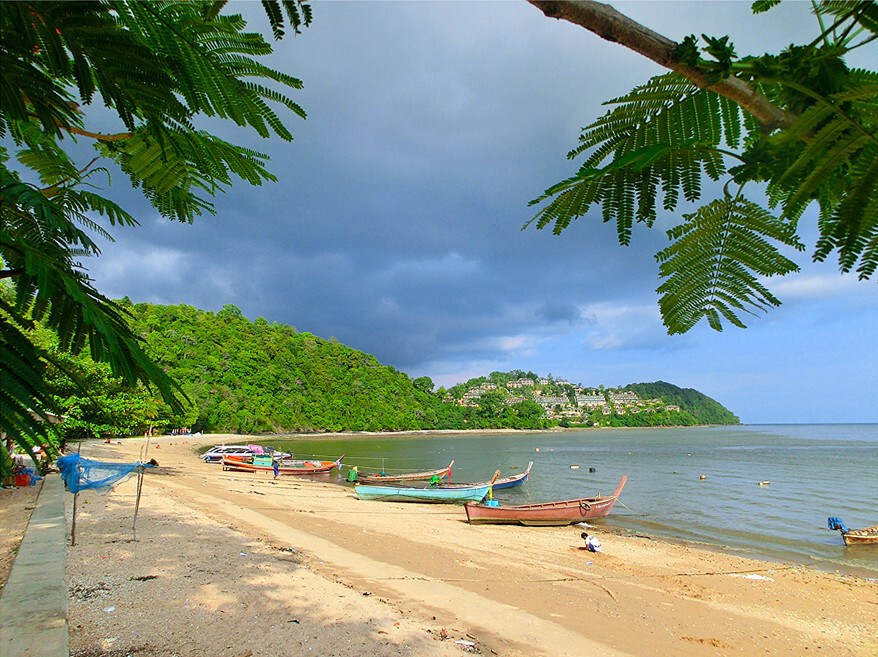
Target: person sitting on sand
(592, 543)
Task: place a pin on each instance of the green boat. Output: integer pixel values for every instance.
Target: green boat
(430, 495)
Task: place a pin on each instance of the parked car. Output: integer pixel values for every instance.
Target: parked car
(215, 454)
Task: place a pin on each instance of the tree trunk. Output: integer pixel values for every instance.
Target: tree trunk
(609, 24)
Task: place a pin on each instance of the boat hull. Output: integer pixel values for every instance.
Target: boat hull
(546, 514)
(503, 482)
(867, 536)
(250, 464)
(423, 495)
(411, 476)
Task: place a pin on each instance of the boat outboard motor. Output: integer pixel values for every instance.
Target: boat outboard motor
(836, 523)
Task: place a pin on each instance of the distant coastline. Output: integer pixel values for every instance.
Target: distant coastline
(438, 432)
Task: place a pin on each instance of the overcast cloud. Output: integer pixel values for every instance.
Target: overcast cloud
(395, 225)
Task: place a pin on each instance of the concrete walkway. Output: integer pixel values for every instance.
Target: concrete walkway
(33, 606)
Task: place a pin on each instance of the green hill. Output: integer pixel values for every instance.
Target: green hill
(256, 377)
(703, 408)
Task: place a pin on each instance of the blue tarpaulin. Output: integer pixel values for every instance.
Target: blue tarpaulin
(80, 474)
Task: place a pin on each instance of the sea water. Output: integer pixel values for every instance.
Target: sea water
(807, 472)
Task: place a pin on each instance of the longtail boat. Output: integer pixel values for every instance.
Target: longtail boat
(502, 482)
(410, 476)
(285, 466)
(567, 512)
(865, 536)
(433, 494)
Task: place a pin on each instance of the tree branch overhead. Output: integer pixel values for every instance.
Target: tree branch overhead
(607, 23)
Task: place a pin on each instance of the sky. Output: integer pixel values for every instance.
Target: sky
(396, 222)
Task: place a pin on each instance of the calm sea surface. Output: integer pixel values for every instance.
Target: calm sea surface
(816, 471)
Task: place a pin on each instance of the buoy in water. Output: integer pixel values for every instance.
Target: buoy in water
(538, 449)
(703, 477)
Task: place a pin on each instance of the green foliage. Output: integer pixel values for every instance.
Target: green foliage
(423, 383)
(701, 407)
(94, 403)
(667, 134)
(158, 66)
(256, 377)
(712, 266)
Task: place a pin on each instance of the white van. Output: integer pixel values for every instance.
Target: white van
(215, 454)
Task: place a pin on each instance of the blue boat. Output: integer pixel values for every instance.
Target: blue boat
(460, 495)
(502, 482)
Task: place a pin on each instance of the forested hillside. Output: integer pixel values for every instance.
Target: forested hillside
(254, 377)
(257, 377)
(702, 407)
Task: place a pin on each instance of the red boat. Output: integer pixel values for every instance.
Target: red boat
(285, 466)
(410, 476)
(568, 512)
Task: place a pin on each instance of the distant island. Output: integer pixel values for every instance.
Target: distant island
(570, 404)
(259, 377)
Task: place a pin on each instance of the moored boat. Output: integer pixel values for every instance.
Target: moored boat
(567, 512)
(865, 536)
(285, 466)
(433, 494)
(502, 482)
(405, 476)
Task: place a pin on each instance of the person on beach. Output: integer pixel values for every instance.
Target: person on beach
(276, 466)
(592, 543)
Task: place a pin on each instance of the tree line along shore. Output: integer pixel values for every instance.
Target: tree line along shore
(242, 376)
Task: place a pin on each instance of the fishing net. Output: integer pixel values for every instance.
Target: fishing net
(80, 474)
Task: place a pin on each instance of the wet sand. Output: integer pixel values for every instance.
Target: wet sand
(231, 564)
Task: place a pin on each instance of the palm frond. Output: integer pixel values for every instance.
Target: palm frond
(851, 226)
(862, 12)
(170, 172)
(712, 269)
(836, 167)
(663, 135)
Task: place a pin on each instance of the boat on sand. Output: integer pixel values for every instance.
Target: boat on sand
(405, 476)
(567, 512)
(432, 494)
(502, 482)
(285, 466)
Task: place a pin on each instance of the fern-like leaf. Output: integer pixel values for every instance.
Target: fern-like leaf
(713, 265)
(836, 166)
(663, 135)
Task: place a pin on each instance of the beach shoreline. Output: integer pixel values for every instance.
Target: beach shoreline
(330, 435)
(326, 571)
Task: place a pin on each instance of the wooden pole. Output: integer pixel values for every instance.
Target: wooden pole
(491, 488)
(137, 502)
(73, 524)
(75, 499)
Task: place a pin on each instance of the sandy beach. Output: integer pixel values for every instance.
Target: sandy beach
(228, 564)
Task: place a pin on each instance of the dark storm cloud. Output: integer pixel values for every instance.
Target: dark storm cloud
(554, 311)
(395, 224)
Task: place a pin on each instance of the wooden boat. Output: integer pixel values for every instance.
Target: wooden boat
(502, 482)
(285, 466)
(567, 512)
(432, 494)
(411, 476)
(865, 536)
